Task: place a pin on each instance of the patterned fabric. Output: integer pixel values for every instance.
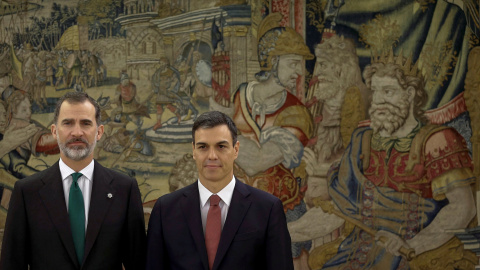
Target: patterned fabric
(394, 192)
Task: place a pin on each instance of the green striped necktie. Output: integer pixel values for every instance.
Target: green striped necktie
(76, 212)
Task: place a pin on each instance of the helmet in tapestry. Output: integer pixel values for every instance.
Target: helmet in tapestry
(275, 41)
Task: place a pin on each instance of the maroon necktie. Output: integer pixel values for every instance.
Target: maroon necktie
(213, 229)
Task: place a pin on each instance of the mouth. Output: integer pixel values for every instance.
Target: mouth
(77, 142)
(324, 80)
(212, 166)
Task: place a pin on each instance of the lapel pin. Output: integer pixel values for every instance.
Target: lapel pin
(109, 195)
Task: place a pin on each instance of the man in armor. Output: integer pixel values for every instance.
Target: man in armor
(166, 86)
(404, 178)
(126, 99)
(274, 124)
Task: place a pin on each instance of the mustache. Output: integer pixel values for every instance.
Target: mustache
(385, 105)
(77, 140)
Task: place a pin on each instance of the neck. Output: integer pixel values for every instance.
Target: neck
(407, 127)
(269, 89)
(216, 186)
(77, 165)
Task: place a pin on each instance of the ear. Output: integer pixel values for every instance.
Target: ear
(411, 94)
(193, 150)
(236, 148)
(100, 131)
(274, 59)
(53, 129)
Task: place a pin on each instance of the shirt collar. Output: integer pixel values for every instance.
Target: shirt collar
(225, 194)
(67, 171)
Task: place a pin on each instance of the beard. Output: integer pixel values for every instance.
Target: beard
(388, 117)
(76, 152)
(290, 84)
(329, 142)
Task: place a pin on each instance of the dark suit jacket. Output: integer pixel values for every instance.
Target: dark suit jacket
(254, 236)
(37, 230)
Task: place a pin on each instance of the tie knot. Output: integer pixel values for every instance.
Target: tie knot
(214, 200)
(76, 175)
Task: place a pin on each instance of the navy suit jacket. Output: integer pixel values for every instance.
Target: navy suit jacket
(254, 236)
(37, 230)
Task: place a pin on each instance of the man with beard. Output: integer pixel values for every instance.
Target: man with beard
(337, 80)
(403, 178)
(338, 88)
(75, 214)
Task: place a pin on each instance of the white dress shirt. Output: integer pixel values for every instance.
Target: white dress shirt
(84, 182)
(225, 199)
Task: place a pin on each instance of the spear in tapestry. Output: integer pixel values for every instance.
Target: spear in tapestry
(328, 207)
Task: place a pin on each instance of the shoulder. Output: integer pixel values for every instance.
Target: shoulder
(444, 139)
(34, 181)
(444, 135)
(173, 197)
(259, 197)
(240, 88)
(292, 99)
(120, 177)
(360, 131)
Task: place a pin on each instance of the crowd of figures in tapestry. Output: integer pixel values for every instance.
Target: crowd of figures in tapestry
(361, 116)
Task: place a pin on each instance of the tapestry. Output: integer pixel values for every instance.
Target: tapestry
(360, 116)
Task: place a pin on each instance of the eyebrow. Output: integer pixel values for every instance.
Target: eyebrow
(218, 143)
(81, 120)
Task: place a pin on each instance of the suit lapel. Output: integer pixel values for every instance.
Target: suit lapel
(236, 212)
(191, 207)
(99, 204)
(54, 199)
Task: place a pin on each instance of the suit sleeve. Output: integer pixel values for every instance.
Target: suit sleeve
(134, 253)
(15, 247)
(278, 242)
(156, 259)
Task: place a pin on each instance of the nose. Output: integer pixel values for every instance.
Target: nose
(212, 155)
(77, 131)
(377, 97)
(298, 70)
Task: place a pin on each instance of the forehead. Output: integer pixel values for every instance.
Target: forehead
(84, 110)
(291, 57)
(24, 101)
(385, 81)
(213, 135)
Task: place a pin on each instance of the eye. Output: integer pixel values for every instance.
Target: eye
(389, 93)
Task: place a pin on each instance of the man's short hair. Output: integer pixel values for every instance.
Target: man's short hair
(213, 119)
(75, 98)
